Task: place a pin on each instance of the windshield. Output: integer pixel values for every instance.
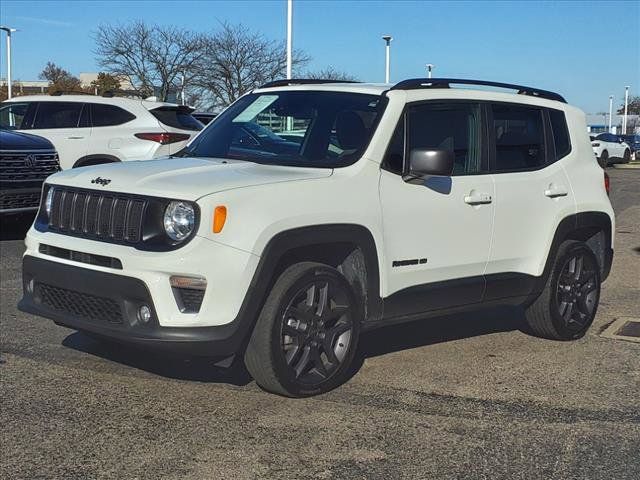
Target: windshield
(298, 128)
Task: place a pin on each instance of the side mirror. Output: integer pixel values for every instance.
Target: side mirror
(434, 162)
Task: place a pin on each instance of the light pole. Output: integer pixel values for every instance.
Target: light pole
(9, 30)
(387, 68)
(429, 69)
(610, 110)
(289, 34)
(626, 104)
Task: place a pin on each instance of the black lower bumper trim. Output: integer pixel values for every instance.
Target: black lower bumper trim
(128, 294)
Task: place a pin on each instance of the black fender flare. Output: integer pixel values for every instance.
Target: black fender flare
(570, 228)
(96, 159)
(309, 236)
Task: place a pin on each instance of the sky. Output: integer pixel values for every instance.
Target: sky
(584, 50)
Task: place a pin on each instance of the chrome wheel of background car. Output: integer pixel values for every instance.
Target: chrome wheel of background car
(316, 331)
(578, 291)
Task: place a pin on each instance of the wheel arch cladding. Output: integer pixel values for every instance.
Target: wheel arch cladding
(348, 247)
(97, 159)
(593, 228)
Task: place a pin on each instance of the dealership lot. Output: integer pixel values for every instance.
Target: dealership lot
(455, 397)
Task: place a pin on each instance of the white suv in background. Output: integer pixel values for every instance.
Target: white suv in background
(610, 148)
(394, 203)
(90, 130)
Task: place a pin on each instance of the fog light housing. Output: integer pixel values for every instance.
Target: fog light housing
(144, 314)
(188, 292)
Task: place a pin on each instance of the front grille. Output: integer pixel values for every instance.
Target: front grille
(27, 166)
(102, 216)
(81, 257)
(189, 299)
(19, 199)
(79, 304)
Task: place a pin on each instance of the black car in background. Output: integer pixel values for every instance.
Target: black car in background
(25, 162)
(204, 117)
(634, 143)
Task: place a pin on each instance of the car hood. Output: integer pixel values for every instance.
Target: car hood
(12, 140)
(181, 178)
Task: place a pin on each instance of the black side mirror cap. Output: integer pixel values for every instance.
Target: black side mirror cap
(430, 162)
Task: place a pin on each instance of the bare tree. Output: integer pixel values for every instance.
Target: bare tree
(237, 60)
(60, 79)
(149, 55)
(331, 73)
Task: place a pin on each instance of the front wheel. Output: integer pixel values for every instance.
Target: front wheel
(604, 159)
(307, 333)
(627, 156)
(567, 306)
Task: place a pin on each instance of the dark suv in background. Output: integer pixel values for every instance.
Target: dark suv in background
(25, 162)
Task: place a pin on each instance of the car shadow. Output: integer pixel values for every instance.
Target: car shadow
(374, 343)
(198, 369)
(15, 226)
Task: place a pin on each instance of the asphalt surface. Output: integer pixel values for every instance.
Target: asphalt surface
(457, 397)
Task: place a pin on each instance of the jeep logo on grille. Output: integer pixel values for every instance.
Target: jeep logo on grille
(30, 161)
(101, 181)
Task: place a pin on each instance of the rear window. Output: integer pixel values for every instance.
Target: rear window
(58, 115)
(560, 133)
(109, 115)
(176, 118)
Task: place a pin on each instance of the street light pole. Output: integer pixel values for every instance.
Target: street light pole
(387, 68)
(610, 110)
(289, 35)
(626, 105)
(429, 69)
(9, 30)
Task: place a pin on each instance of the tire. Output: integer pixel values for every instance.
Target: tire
(307, 333)
(604, 159)
(627, 156)
(568, 304)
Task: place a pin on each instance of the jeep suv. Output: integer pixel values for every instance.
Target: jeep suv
(400, 202)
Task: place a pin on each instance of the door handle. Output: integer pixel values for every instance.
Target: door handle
(477, 198)
(556, 191)
(75, 138)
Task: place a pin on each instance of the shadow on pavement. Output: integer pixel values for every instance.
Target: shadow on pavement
(15, 226)
(198, 369)
(395, 338)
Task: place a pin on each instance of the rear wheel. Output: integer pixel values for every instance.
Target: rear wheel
(604, 159)
(568, 304)
(306, 336)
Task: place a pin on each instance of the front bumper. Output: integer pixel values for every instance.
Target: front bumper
(107, 304)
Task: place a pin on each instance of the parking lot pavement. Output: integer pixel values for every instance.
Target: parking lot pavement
(458, 397)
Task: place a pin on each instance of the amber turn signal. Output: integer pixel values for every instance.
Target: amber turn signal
(219, 217)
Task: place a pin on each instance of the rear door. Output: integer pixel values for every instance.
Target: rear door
(532, 195)
(67, 126)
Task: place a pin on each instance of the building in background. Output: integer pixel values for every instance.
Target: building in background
(599, 123)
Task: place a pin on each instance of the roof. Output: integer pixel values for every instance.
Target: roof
(367, 88)
(89, 98)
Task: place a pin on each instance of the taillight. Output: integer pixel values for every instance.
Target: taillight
(607, 183)
(164, 138)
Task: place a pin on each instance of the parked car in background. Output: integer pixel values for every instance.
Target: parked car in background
(204, 117)
(634, 144)
(610, 148)
(25, 162)
(90, 130)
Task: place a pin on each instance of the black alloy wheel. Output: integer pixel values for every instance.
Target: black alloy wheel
(316, 333)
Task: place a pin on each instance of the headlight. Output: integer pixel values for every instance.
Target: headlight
(595, 144)
(179, 220)
(48, 202)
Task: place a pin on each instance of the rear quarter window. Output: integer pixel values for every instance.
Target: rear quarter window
(109, 115)
(561, 139)
(177, 118)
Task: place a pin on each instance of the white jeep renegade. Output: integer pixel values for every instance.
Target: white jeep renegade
(309, 212)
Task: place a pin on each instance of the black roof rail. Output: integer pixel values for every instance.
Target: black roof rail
(301, 81)
(418, 83)
(58, 93)
(114, 93)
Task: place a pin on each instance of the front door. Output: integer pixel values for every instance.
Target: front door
(437, 232)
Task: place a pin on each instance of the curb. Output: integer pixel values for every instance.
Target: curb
(626, 165)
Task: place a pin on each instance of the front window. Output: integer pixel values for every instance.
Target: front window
(298, 128)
